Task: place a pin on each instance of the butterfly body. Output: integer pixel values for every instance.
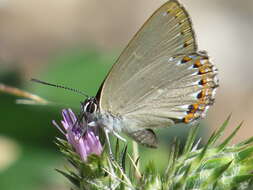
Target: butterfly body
(116, 124)
(159, 80)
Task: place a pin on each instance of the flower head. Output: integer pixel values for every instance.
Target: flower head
(82, 137)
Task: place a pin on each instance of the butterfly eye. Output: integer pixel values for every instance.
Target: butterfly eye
(90, 107)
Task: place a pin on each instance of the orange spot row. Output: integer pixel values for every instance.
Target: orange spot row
(207, 82)
(197, 63)
(193, 108)
(203, 81)
(189, 117)
(187, 43)
(186, 59)
(204, 70)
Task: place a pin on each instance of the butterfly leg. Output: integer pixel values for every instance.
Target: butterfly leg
(118, 136)
(79, 119)
(109, 144)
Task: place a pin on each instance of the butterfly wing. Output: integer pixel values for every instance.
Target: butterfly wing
(160, 79)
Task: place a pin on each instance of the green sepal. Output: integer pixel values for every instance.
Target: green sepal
(72, 178)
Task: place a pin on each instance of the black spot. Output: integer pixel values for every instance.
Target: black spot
(202, 82)
(190, 107)
(91, 107)
(185, 44)
(200, 95)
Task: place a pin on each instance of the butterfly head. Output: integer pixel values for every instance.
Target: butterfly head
(90, 105)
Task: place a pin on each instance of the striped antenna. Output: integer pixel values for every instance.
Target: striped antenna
(60, 86)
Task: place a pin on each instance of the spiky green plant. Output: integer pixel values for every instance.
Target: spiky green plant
(215, 166)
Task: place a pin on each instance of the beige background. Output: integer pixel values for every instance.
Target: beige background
(31, 31)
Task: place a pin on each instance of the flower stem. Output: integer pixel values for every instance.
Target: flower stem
(135, 158)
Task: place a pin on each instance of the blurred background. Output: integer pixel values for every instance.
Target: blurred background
(75, 43)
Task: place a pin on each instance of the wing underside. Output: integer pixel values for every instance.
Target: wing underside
(160, 78)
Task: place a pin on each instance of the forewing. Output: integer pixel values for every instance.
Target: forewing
(166, 33)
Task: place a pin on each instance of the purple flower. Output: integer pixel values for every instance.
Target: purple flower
(84, 144)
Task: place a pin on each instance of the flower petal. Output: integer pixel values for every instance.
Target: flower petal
(69, 117)
(84, 144)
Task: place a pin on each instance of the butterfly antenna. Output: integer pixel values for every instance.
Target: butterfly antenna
(60, 86)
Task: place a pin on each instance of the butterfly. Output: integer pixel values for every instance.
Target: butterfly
(160, 79)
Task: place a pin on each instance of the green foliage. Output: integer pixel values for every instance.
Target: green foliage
(215, 166)
(81, 69)
(30, 126)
